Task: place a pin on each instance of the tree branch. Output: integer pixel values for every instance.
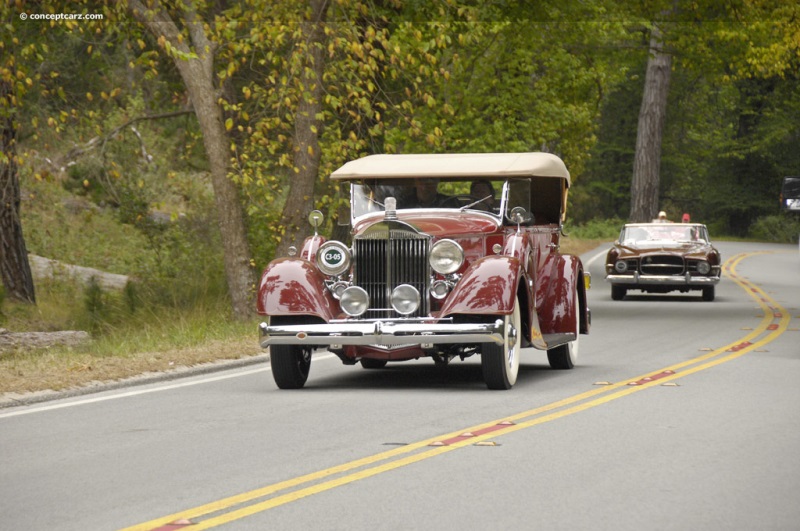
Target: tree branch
(78, 151)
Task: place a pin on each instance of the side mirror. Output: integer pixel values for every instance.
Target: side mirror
(315, 219)
(519, 215)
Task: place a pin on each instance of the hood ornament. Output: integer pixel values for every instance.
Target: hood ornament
(391, 208)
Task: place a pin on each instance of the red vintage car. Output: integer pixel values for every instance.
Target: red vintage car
(452, 255)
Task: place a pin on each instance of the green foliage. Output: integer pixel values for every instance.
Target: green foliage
(596, 229)
(779, 228)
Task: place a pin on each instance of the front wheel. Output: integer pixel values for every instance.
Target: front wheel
(565, 356)
(709, 293)
(618, 293)
(500, 363)
(290, 365)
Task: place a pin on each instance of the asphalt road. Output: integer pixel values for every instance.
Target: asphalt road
(681, 414)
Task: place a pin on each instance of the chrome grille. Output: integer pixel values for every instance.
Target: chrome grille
(662, 264)
(382, 260)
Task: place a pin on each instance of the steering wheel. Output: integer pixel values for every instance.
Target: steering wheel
(456, 201)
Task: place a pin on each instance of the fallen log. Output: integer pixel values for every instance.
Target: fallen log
(45, 268)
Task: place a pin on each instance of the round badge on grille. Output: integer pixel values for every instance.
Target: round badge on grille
(333, 258)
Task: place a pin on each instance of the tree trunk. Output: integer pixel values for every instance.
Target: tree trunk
(300, 200)
(16, 270)
(198, 76)
(647, 158)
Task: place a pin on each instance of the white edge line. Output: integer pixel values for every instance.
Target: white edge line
(137, 392)
(595, 257)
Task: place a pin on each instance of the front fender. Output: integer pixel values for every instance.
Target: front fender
(293, 286)
(488, 287)
(557, 293)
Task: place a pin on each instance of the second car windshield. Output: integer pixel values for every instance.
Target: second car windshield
(664, 232)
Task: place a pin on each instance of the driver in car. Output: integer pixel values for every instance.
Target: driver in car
(427, 193)
(482, 191)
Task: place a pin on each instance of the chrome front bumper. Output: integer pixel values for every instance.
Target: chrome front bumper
(662, 280)
(381, 332)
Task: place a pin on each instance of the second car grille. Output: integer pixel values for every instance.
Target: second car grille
(662, 264)
(384, 260)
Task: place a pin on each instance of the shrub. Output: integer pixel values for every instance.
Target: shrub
(596, 229)
(781, 228)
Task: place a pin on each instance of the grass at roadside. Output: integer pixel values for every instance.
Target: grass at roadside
(156, 345)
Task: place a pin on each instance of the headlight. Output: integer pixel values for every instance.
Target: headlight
(703, 267)
(446, 257)
(620, 266)
(354, 301)
(333, 258)
(405, 299)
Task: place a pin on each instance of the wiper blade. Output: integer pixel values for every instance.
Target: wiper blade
(462, 209)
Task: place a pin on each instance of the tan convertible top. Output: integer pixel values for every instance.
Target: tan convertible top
(467, 165)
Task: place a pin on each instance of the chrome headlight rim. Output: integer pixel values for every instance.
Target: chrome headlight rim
(440, 289)
(621, 266)
(703, 267)
(333, 258)
(446, 257)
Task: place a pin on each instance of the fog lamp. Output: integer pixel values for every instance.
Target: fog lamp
(405, 299)
(354, 301)
(703, 267)
(621, 266)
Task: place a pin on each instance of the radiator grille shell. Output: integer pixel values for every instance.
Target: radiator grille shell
(662, 264)
(386, 256)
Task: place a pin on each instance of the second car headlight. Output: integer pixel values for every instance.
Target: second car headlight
(333, 258)
(446, 257)
(703, 267)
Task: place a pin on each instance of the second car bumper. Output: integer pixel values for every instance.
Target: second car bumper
(411, 332)
(663, 280)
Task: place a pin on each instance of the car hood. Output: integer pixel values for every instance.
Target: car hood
(439, 225)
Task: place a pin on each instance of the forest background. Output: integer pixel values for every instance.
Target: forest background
(183, 143)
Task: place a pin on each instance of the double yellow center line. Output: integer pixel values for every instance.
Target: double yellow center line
(774, 323)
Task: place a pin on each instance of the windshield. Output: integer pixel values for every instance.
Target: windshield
(478, 194)
(667, 231)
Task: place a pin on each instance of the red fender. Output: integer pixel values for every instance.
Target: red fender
(488, 287)
(557, 313)
(293, 286)
(311, 246)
